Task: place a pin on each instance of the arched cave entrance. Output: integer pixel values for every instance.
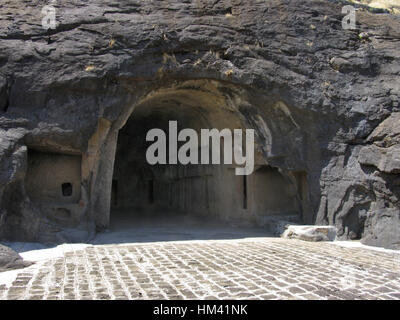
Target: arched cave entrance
(153, 192)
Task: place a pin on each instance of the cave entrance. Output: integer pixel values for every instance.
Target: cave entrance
(175, 194)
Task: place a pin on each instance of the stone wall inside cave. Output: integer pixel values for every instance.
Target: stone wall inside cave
(53, 177)
(323, 101)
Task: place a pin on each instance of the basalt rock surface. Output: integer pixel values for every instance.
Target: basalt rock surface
(310, 233)
(9, 259)
(323, 101)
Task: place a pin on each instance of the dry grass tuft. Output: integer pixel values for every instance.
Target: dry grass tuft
(392, 5)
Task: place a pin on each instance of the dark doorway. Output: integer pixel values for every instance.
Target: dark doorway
(184, 193)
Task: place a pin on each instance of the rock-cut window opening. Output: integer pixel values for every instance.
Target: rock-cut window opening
(66, 189)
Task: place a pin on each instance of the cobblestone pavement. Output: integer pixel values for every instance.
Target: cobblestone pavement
(263, 268)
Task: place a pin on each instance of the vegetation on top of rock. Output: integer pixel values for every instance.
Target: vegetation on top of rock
(392, 6)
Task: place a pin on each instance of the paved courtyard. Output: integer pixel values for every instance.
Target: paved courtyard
(249, 268)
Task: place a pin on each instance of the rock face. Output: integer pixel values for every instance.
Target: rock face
(323, 101)
(381, 155)
(9, 259)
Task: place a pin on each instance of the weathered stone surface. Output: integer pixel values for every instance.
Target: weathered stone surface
(312, 91)
(384, 151)
(9, 259)
(382, 229)
(382, 157)
(385, 159)
(310, 233)
(263, 268)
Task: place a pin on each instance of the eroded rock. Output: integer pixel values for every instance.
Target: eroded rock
(9, 259)
(310, 233)
(312, 92)
(384, 152)
(382, 229)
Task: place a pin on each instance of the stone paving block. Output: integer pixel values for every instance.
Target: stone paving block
(252, 269)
